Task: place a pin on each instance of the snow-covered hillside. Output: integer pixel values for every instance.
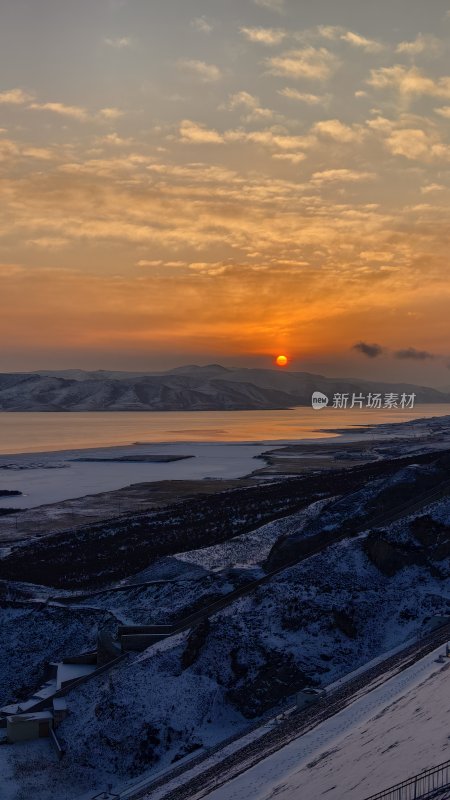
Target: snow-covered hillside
(312, 623)
(187, 388)
(383, 738)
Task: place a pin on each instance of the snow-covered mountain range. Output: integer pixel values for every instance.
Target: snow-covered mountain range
(190, 388)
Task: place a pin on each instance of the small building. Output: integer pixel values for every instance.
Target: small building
(59, 710)
(22, 727)
(308, 696)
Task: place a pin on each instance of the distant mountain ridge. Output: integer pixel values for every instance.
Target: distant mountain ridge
(190, 388)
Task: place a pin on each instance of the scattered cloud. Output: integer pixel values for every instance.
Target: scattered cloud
(274, 139)
(432, 187)
(49, 242)
(15, 97)
(193, 133)
(356, 40)
(423, 43)
(302, 97)
(310, 62)
(159, 262)
(144, 262)
(120, 42)
(252, 106)
(293, 158)
(268, 36)
(444, 111)
(75, 112)
(115, 140)
(376, 255)
(330, 32)
(8, 150)
(207, 73)
(341, 176)
(369, 350)
(417, 144)
(110, 113)
(39, 153)
(202, 25)
(413, 354)
(339, 131)
(409, 82)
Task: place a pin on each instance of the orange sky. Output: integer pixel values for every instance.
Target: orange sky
(226, 186)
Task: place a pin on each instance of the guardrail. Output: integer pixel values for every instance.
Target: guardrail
(424, 786)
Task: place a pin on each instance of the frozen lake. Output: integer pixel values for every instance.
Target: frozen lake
(37, 449)
(51, 477)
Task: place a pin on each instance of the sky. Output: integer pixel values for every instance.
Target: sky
(197, 181)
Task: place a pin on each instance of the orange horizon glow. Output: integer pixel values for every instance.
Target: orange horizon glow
(303, 207)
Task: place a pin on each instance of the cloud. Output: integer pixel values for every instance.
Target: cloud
(293, 158)
(193, 133)
(8, 150)
(337, 130)
(115, 140)
(444, 111)
(376, 255)
(110, 113)
(202, 25)
(330, 32)
(268, 36)
(432, 187)
(49, 242)
(310, 62)
(369, 350)
(143, 262)
(120, 42)
(208, 73)
(421, 44)
(417, 144)
(302, 97)
(368, 45)
(409, 142)
(14, 97)
(251, 104)
(111, 167)
(341, 176)
(413, 354)
(40, 153)
(273, 139)
(75, 112)
(409, 82)
(276, 139)
(272, 5)
(196, 133)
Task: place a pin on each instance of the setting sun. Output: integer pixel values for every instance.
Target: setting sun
(281, 361)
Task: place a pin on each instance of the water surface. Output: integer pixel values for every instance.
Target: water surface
(28, 432)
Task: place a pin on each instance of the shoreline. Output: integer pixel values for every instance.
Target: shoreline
(59, 492)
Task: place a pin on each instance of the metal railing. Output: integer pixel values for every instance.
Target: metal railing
(424, 786)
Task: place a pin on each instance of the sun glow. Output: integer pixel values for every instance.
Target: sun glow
(281, 361)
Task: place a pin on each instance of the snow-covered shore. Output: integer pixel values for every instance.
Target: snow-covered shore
(52, 477)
